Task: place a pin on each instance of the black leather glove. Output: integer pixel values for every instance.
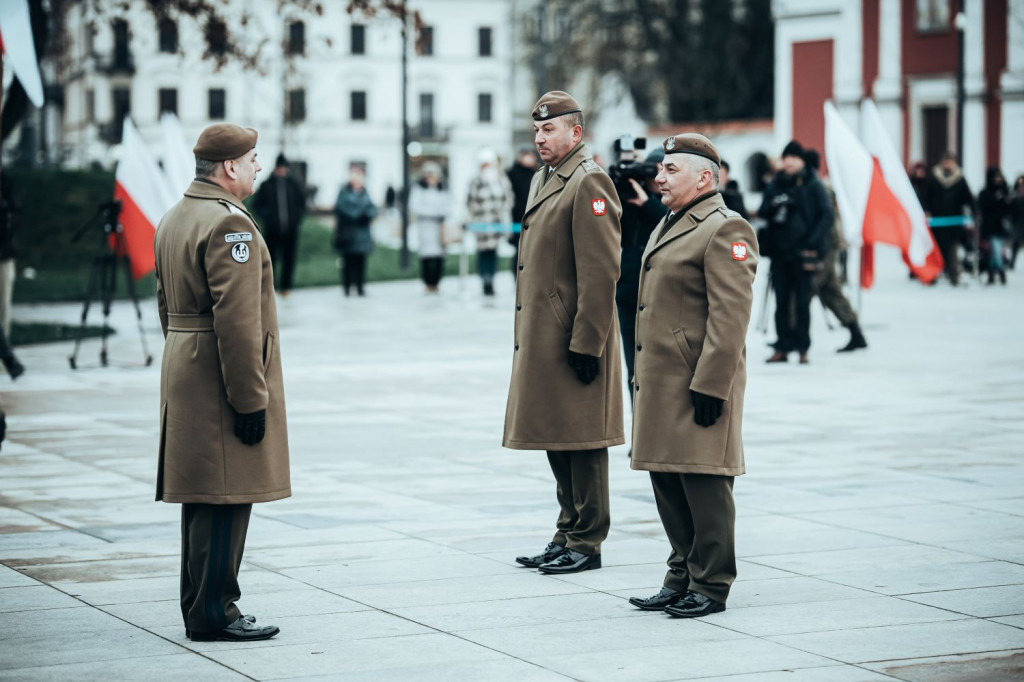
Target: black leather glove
(250, 428)
(586, 366)
(706, 409)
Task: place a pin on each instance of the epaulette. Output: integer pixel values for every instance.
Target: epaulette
(590, 166)
(729, 213)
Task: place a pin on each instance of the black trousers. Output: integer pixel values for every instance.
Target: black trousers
(353, 271)
(282, 254)
(699, 517)
(627, 328)
(794, 288)
(431, 270)
(212, 542)
(948, 239)
(487, 264)
(584, 518)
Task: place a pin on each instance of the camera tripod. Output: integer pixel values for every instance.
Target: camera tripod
(103, 278)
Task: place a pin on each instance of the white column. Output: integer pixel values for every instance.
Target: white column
(974, 145)
(1012, 86)
(848, 60)
(888, 87)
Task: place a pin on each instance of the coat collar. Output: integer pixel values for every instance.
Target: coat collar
(559, 176)
(691, 217)
(201, 189)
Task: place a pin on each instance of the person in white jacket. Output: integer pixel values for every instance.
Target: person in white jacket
(429, 205)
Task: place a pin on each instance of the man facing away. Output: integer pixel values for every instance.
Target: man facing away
(696, 289)
(565, 395)
(223, 436)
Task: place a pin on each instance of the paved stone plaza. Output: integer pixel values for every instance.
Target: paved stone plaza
(879, 527)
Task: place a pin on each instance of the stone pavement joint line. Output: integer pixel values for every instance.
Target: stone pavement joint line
(879, 529)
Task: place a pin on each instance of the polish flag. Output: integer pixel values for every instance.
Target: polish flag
(142, 188)
(877, 203)
(19, 49)
(178, 161)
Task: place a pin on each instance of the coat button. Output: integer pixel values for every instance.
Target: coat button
(637, 387)
(639, 346)
(647, 267)
(519, 306)
(517, 346)
(520, 266)
(641, 307)
(525, 228)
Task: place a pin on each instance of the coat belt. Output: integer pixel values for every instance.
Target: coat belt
(189, 323)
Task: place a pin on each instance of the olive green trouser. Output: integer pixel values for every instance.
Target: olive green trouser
(582, 480)
(212, 542)
(830, 291)
(699, 517)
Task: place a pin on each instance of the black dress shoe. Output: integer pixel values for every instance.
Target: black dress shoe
(251, 619)
(571, 561)
(242, 630)
(666, 597)
(550, 553)
(695, 605)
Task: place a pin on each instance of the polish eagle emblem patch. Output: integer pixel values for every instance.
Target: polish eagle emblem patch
(543, 110)
(599, 206)
(739, 251)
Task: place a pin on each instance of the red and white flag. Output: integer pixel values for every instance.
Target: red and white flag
(142, 188)
(877, 203)
(19, 49)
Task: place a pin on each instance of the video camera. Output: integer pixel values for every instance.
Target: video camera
(628, 166)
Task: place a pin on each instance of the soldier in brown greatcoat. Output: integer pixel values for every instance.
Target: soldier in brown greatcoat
(693, 309)
(223, 438)
(566, 389)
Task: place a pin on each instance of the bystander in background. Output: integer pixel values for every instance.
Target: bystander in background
(946, 197)
(10, 215)
(994, 209)
(280, 204)
(429, 205)
(488, 202)
(520, 175)
(354, 211)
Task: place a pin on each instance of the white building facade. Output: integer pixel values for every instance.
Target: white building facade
(326, 90)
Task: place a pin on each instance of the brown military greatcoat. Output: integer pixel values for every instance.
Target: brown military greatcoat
(565, 300)
(696, 288)
(215, 290)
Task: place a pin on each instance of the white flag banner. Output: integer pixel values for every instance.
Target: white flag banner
(178, 160)
(19, 49)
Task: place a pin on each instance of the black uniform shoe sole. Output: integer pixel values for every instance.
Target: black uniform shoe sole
(714, 608)
(555, 570)
(223, 636)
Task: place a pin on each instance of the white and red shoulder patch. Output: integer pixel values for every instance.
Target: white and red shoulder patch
(599, 206)
(739, 251)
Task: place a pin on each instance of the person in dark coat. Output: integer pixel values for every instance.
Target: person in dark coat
(731, 194)
(1017, 219)
(353, 213)
(640, 215)
(520, 175)
(946, 196)
(280, 204)
(800, 218)
(994, 208)
(10, 214)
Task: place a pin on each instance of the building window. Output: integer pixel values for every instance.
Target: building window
(122, 55)
(296, 38)
(168, 101)
(357, 105)
(168, 36)
(357, 39)
(122, 106)
(484, 105)
(426, 114)
(485, 37)
(216, 37)
(296, 105)
(216, 104)
(90, 106)
(425, 44)
(932, 15)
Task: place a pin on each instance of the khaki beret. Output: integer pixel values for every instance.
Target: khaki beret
(223, 141)
(554, 104)
(692, 143)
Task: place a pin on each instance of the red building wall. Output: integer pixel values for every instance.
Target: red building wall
(995, 37)
(869, 60)
(812, 85)
(927, 53)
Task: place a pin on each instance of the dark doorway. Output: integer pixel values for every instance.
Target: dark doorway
(936, 134)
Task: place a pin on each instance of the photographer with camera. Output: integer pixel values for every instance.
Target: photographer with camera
(642, 210)
(800, 217)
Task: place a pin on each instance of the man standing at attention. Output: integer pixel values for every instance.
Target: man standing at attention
(693, 309)
(566, 389)
(223, 437)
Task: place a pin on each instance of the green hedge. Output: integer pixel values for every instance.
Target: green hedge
(57, 204)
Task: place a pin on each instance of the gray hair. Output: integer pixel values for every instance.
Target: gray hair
(205, 168)
(574, 119)
(699, 164)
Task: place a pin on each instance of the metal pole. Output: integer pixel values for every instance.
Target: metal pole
(961, 24)
(404, 256)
